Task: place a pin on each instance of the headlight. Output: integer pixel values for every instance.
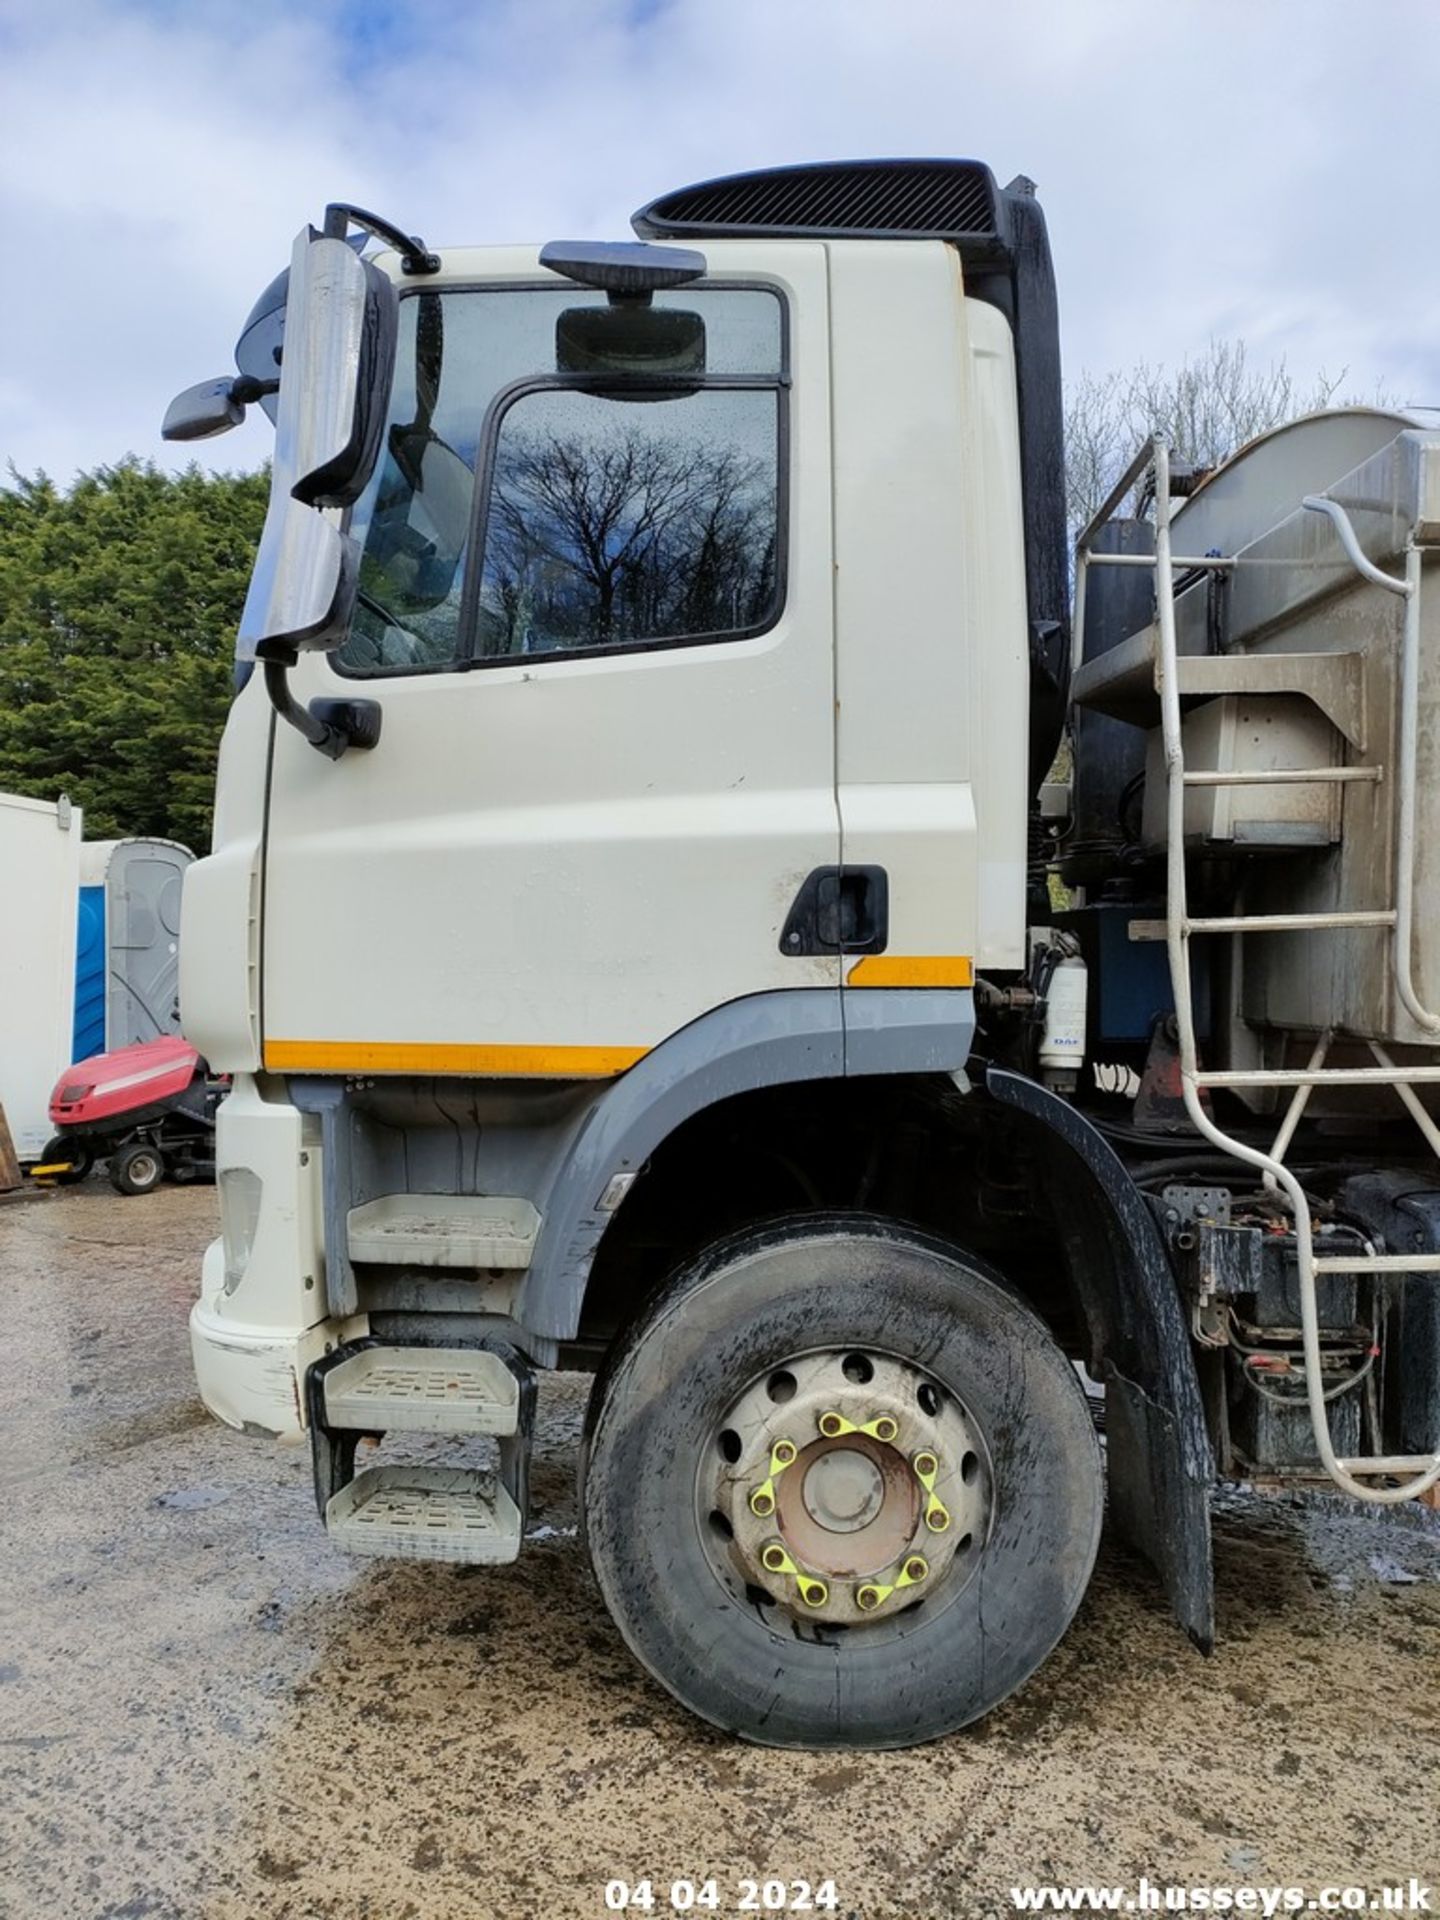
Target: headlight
(240, 1194)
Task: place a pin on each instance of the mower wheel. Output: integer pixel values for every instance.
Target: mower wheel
(137, 1168)
(78, 1154)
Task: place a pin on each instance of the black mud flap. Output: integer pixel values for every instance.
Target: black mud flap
(1159, 1460)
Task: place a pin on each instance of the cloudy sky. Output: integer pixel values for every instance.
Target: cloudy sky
(1211, 168)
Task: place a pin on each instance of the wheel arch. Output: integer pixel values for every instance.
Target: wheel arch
(1159, 1461)
(762, 1042)
(1086, 1255)
(1159, 1458)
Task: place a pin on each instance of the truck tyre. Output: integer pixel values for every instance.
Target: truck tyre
(840, 1486)
(137, 1168)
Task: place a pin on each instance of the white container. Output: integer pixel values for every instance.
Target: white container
(1062, 1048)
(39, 893)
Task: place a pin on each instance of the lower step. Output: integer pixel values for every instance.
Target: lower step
(426, 1513)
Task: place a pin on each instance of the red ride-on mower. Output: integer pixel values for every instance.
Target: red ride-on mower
(149, 1110)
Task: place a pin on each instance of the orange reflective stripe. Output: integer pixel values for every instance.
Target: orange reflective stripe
(403, 1056)
(912, 970)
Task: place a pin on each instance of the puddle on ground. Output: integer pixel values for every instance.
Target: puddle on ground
(190, 1499)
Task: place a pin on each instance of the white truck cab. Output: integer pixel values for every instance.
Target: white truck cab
(626, 932)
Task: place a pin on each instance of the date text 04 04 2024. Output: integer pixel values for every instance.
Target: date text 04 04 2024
(709, 1896)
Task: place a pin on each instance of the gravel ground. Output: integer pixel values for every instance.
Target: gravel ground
(207, 1711)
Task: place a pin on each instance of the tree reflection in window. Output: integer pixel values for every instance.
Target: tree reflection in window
(620, 522)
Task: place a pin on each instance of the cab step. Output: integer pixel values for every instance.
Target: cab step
(444, 1230)
(373, 1387)
(426, 1513)
(383, 1389)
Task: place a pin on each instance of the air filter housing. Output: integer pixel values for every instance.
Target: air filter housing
(954, 200)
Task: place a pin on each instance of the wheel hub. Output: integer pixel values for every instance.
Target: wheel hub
(843, 1490)
(847, 1486)
(847, 1507)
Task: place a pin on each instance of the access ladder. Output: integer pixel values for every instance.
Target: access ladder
(1151, 470)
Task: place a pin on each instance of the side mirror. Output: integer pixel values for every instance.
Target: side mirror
(341, 325)
(202, 411)
(340, 328)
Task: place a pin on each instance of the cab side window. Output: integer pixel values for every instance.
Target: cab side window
(521, 508)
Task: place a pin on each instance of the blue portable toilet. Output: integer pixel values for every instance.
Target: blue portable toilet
(90, 968)
(127, 945)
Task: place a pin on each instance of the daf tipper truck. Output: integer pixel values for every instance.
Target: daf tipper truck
(643, 938)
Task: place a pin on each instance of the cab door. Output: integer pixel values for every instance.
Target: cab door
(596, 614)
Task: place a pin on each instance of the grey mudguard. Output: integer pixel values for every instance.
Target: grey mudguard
(907, 1029)
(766, 1040)
(1159, 1462)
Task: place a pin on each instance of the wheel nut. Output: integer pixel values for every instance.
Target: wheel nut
(831, 1425)
(925, 1463)
(783, 1453)
(916, 1568)
(937, 1519)
(885, 1428)
(762, 1505)
(774, 1558)
(867, 1599)
(814, 1592)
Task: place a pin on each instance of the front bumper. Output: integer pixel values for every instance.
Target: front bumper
(253, 1377)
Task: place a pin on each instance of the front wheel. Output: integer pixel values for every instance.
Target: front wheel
(841, 1488)
(138, 1168)
(73, 1154)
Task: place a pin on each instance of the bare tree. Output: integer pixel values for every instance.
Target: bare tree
(633, 535)
(1206, 407)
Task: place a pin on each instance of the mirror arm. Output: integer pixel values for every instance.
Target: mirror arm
(415, 256)
(331, 726)
(246, 389)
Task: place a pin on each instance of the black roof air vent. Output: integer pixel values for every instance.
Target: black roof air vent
(854, 199)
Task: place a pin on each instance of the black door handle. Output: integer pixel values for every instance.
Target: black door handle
(839, 910)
